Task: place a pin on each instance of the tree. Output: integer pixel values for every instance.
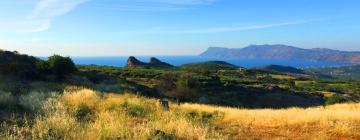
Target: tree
(43, 66)
(61, 66)
(182, 88)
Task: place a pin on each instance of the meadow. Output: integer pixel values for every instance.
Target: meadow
(80, 113)
(56, 99)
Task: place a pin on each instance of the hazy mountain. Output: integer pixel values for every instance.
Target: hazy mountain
(283, 52)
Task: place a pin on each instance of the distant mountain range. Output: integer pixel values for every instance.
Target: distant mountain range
(283, 52)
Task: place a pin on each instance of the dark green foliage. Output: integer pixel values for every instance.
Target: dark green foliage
(203, 118)
(281, 69)
(43, 66)
(344, 72)
(137, 110)
(18, 65)
(161, 135)
(335, 99)
(337, 86)
(14, 57)
(181, 87)
(208, 66)
(83, 113)
(61, 66)
(186, 81)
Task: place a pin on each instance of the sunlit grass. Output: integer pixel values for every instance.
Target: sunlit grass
(87, 114)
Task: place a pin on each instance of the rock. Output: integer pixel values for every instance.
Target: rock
(154, 62)
(157, 63)
(133, 62)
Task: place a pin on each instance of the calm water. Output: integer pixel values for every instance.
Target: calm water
(179, 60)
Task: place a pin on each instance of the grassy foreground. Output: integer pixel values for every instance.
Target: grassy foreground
(87, 114)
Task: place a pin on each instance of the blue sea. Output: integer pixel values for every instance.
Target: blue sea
(180, 60)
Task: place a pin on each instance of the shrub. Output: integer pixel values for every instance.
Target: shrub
(161, 135)
(203, 118)
(6, 99)
(136, 110)
(61, 66)
(34, 100)
(83, 113)
(43, 66)
(335, 99)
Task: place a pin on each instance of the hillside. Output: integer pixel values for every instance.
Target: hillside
(87, 114)
(281, 69)
(283, 52)
(347, 72)
(210, 65)
(104, 102)
(17, 65)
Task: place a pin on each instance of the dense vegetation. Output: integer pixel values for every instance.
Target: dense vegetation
(343, 72)
(54, 99)
(281, 69)
(237, 86)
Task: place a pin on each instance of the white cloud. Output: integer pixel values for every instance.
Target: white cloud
(41, 16)
(46, 10)
(53, 8)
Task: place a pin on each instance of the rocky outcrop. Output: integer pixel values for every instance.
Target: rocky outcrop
(133, 62)
(157, 63)
(154, 63)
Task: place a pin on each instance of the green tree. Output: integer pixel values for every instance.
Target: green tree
(61, 66)
(335, 99)
(43, 66)
(185, 88)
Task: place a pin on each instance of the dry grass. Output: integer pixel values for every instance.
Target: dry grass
(331, 122)
(86, 114)
(276, 76)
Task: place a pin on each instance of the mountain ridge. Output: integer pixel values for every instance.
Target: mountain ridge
(284, 52)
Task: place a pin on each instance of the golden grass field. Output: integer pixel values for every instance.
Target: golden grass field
(86, 114)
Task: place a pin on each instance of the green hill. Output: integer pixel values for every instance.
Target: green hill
(209, 66)
(281, 69)
(13, 63)
(347, 72)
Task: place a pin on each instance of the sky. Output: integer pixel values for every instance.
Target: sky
(174, 27)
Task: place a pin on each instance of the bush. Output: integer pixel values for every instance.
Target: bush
(34, 100)
(335, 99)
(6, 99)
(61, 66)
(203, 118)
(137, 110)
(161, 135)
(43, 66)
(83, 113)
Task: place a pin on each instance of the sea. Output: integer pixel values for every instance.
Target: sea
(120, 61)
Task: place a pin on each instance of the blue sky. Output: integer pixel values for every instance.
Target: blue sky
(174, 27)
